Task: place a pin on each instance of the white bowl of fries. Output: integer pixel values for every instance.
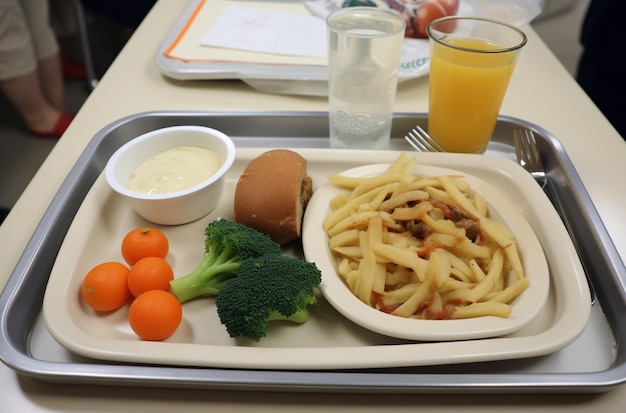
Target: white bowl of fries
(438, 259)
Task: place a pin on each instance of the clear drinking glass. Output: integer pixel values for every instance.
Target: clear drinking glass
(364, 48)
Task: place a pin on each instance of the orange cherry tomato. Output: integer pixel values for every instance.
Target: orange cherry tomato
(155, 315)
(144, 242)
(149, 273)
(105, 287)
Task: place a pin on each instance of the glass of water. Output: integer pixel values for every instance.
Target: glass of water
(364, 48)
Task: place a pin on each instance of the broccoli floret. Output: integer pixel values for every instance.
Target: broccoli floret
(227, 245)
(272, 287)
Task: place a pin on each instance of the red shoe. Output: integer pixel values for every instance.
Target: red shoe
(73, 70)
(59, 128)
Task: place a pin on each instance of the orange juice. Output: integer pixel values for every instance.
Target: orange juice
(467, 88)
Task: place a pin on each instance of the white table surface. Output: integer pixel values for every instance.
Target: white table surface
(541, 92)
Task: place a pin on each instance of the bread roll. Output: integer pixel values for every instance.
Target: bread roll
(272, 193)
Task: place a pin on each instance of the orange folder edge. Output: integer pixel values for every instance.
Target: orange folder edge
(182, 33)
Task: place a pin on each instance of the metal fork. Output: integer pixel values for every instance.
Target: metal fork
(528, 155)
(419, 139)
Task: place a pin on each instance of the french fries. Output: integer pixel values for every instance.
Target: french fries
(422, 247)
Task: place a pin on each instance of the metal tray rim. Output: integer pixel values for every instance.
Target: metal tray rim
(336, 381)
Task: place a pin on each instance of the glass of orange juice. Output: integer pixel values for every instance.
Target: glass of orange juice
(471, 62)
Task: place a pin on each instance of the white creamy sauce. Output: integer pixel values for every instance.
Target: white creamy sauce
(174, 170)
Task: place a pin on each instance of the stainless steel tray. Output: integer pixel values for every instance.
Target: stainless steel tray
(594, 362)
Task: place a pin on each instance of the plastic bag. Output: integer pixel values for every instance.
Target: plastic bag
(418, 13)
(514, 12)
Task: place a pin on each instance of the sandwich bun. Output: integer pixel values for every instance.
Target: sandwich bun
(272, 194)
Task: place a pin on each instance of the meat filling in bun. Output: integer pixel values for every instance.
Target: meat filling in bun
(272, 193)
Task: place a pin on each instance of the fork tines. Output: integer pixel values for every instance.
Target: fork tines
(419, 139)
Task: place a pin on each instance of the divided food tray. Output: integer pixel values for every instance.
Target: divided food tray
(593, 362)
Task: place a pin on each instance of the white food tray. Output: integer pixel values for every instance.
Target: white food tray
(327, 340)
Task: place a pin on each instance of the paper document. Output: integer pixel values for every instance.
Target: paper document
(268, 31)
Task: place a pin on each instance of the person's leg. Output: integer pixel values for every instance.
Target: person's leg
(50, 74)
(47, 52)
(21, 74)
(25, 94)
